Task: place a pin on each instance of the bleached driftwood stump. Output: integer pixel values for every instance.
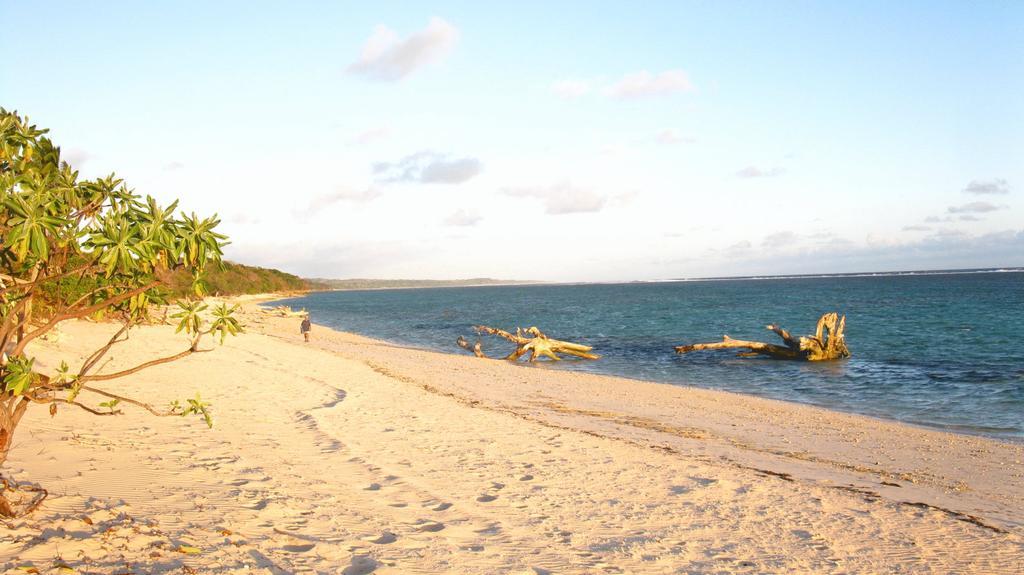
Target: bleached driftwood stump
(817, 347)
(532, 341)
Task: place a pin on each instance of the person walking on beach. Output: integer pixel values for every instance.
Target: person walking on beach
(305, 327)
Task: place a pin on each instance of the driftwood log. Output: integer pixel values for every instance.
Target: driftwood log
(826, 343)
(532, 341)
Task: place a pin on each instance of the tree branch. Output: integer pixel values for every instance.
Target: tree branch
(14, 320)
(134, 402)
(809, 348)
(142, 366)
(754, 346)
(82, 313)
(537, 345)
(791, 342)
(46, 400)
(88, 295)
(93, 359)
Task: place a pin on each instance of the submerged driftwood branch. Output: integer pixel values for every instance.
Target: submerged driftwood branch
(532, 341)
(827, 343)
(475, 348)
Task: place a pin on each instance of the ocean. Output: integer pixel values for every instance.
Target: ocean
(944, 351)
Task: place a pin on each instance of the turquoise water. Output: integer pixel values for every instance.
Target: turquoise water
(944, 351)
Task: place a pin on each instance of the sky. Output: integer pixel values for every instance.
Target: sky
(564, 141)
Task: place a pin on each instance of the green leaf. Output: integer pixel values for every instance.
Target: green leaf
(19, 377)
(224, 323)
(190, 320)
(198, 407)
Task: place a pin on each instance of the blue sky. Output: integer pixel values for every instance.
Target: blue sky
(566, 142)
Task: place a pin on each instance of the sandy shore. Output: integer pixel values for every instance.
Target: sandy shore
(354, 456)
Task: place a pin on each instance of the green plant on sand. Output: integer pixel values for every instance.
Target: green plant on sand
(73, 249)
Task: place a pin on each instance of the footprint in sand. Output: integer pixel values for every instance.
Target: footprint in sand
(431, 527)
(703, 481)
(385, 538)
(373, 487)
(259, 505)
(361, 565)
(526, 478)
(299, 547)
(442, 506)
(489, 530)
(486, 498)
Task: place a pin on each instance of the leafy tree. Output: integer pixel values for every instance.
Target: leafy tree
(71, 249)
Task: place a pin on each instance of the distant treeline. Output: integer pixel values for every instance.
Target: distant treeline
(359, 283)
(239, 279)
(232, 279)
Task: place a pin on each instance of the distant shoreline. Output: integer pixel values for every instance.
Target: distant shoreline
(359, 284)
(431, 284)
(909, 273)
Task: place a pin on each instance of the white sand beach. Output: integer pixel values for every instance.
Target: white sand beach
(355, 456)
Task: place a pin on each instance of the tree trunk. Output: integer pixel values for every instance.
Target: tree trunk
(11, 410)
(532, 341)
(828, 342)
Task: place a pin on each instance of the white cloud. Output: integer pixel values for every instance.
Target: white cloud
(973, 208)
(387, 57)
(948, 234)
(643, 84)
(739, 248)
(877, 240)
(462, 217)
(917, 228)
(571, 89)
(450, 172)
(244, 218)
(625, 198)
(669, 136)
(755, 172)
(341, 194)
(371, 135)
(562, 198)
(334, 259)
(780, 239)
(173, 166)
(944, 249)
(428, 167)
(995, 186)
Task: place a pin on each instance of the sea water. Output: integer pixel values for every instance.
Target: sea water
(939, 350)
